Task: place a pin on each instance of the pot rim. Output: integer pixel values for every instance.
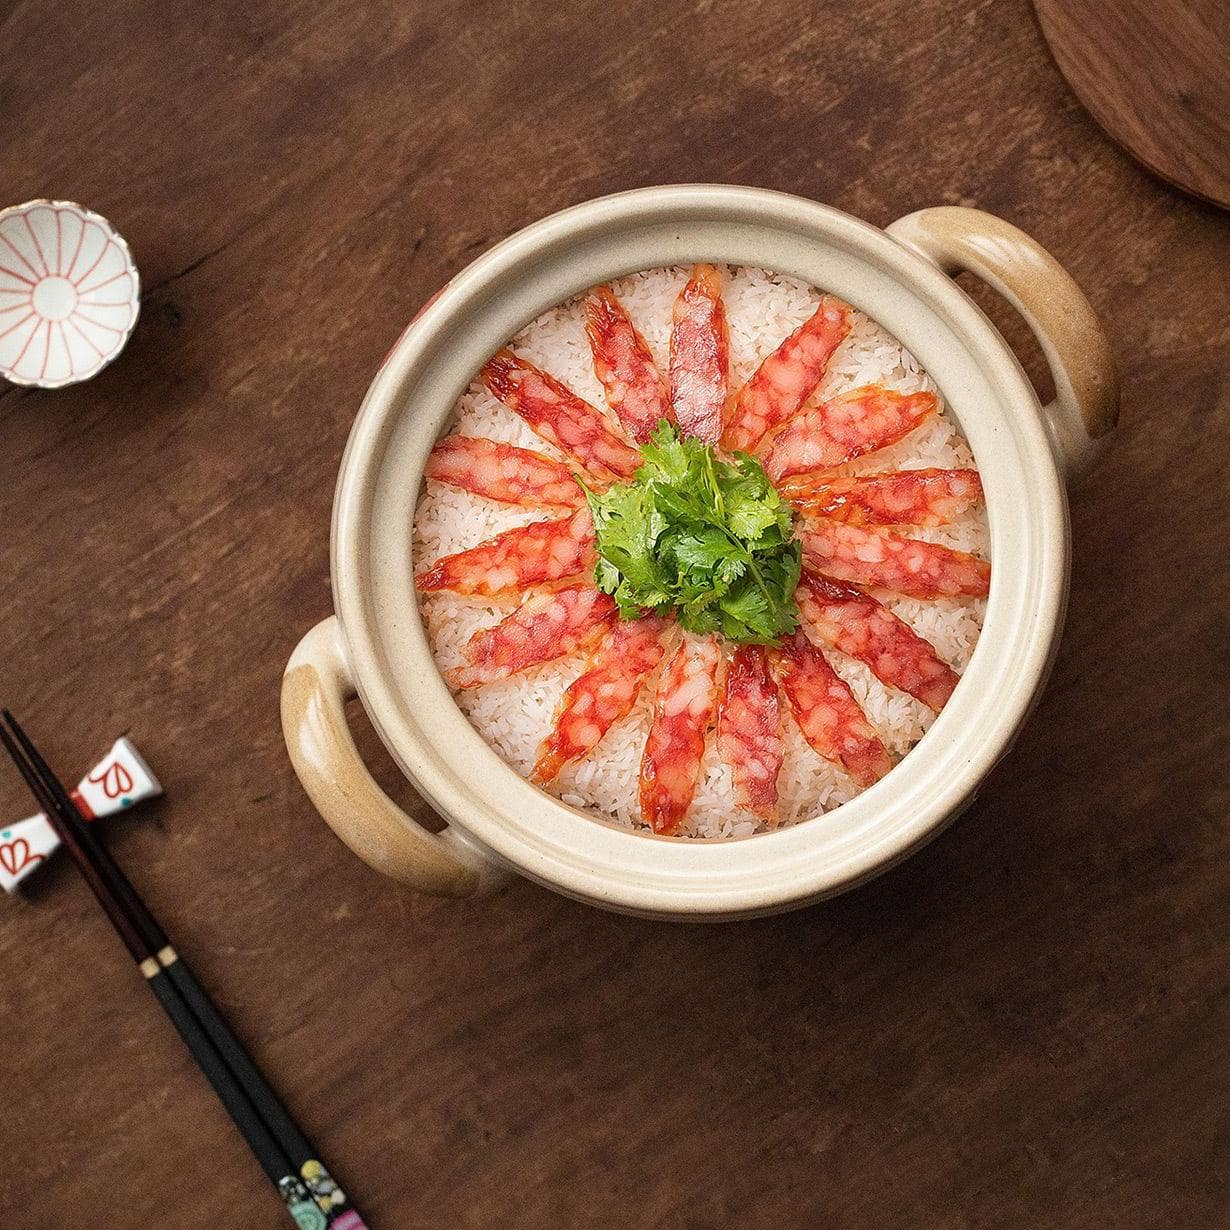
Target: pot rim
(492, 806)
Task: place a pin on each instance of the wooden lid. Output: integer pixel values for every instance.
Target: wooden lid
(1153, 73)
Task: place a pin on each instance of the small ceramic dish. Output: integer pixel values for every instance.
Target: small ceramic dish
(68, 293)
(376, 644)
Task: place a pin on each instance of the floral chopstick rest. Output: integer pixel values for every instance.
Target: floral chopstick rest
(68, 293)
(118, 781)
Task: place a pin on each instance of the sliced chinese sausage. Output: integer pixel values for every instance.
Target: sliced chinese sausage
(700, 356)
(905, 497)
(827, 714)
(560, 417)
(844, 427)
(535, 554)
(546, 626)
(683, 707)
(749, 730)
(787, 377)
(604, 694)
(843, 616)
(882, 559)
(503, 472)
(635, 390)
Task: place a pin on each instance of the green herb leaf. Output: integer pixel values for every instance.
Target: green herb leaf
(706, 538)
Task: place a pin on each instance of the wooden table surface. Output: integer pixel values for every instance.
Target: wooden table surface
(1024, 1025)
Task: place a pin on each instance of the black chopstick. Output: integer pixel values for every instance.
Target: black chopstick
(276, 1141)
(302, 1155)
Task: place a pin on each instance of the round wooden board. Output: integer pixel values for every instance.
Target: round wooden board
(1154, 75)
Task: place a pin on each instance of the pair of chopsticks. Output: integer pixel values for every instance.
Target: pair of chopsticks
(312, 1198)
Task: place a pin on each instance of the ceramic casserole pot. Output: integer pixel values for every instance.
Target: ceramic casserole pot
(376, 645)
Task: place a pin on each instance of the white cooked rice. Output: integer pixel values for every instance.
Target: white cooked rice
(514, 715)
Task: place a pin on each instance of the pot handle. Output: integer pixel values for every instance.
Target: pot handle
(315, 688)
(1086, 404)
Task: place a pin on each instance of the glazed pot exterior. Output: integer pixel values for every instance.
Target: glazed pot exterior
(376, 645)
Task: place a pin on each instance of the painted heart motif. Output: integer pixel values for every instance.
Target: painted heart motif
(114, 779)
(16, 855)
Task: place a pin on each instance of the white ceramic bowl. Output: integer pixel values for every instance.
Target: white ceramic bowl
(69, 293)
(376, 643)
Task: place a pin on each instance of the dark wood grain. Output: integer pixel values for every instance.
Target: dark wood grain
(1025, 1025)
(1156, 75)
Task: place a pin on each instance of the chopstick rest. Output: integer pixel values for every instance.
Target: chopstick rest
(120, 779)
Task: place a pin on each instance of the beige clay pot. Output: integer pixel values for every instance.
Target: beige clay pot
(376, 644)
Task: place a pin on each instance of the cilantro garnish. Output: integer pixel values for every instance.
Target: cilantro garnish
(699, 536)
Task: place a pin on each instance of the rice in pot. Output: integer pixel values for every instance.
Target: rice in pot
(515, 714)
